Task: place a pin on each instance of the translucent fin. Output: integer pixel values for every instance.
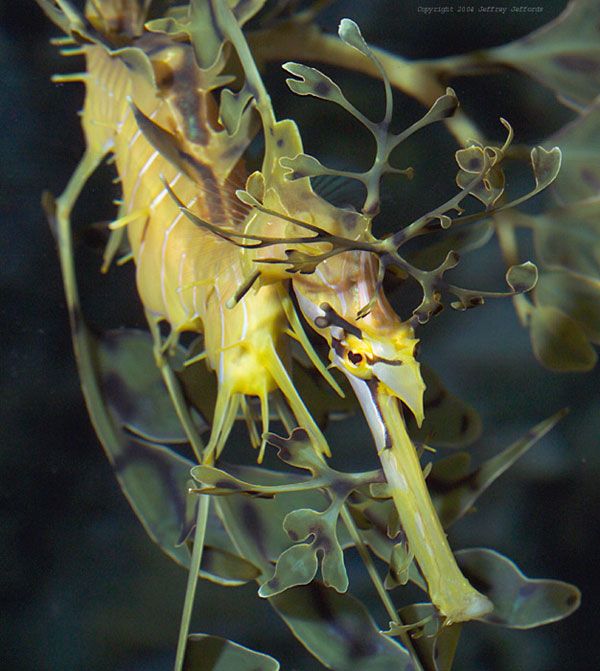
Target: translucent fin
(172, 150)
(338, 191)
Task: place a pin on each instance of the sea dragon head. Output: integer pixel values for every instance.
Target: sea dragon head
(376, 352)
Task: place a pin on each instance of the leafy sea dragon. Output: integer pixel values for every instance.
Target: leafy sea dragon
(372, 347)
(217, 259)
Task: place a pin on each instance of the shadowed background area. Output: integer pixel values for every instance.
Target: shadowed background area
(82, 586)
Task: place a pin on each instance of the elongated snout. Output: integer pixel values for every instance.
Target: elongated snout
(449, 590)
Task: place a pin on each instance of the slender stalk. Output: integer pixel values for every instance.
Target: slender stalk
(231, 28)
(173, 387)
(383, 594)
(507, 240)
(182, 410)
(192, 581)
(363, 551)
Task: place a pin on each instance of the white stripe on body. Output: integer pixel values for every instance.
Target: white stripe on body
(163, 251)
(142, 172)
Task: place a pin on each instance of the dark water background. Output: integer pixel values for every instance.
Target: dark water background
(82, 586)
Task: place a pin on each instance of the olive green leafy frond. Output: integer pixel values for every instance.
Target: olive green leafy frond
(519, 602)
(520, 278)
(336, 628)
(559, 341)
(562, 316)
(563, 55)
(206, 652)
(579, 140)
(480, 175)
(298, 564)
(154, 477)
(576, 295)
(311, 81)
(455, 487)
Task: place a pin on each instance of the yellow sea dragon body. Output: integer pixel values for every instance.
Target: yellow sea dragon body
(151, 107)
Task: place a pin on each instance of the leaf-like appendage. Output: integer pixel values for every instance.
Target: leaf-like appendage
(400, 564)
(205, 34)
(350, 33)
(488, 191)
(338, 630)
(579, 141)
(449, 421)
(455, 489)
(569, 237)
(134, 389)
(313, 82)
(519, 602)
(138, 62)
(522, 278)
(564, 54)
(232, 108)
(168, 25)
(546, 165)
(443, 108)
(298, 451)
(154, 478)
(559, 342)
(315, 532)
(471, 159)
(206, 652)
(577, 296)
(298, 564)
(380, 528)
(304, 165)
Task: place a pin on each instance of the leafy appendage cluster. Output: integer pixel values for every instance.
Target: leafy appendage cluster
(480, 175)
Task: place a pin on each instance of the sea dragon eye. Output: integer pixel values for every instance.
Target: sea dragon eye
(356, 358)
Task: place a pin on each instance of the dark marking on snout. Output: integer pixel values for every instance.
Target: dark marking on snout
(331, 318)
